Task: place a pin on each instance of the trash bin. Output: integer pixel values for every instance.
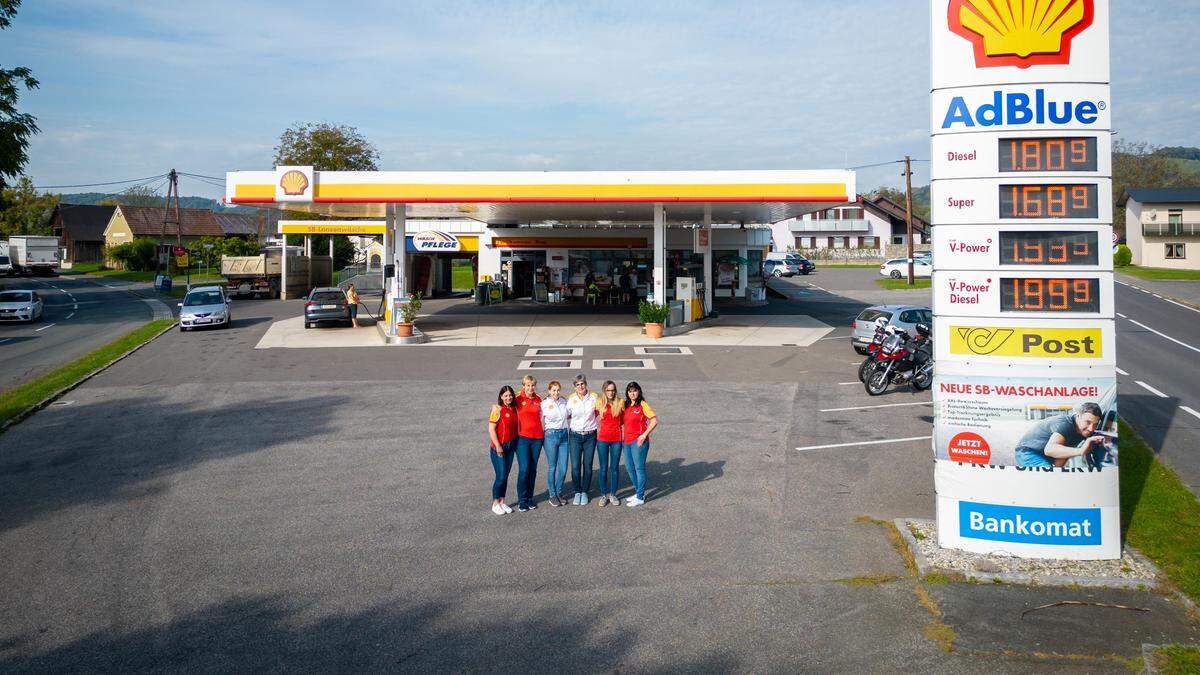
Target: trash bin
(481, 293)
(675, 313)
(495, 293)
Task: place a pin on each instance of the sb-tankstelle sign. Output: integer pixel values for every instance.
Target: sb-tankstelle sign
(1025, 435)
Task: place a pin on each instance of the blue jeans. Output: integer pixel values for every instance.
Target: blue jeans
(1032, 458)
(610, 465)
(635, 463)
(502, 466)
(583, 448)
(556, 460)
(529, 450)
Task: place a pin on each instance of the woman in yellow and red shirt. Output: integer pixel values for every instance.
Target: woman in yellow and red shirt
(529, 441)
(637, 421)
(608, 441)
(502, 432)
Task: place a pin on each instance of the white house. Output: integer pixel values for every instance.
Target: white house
(1162, 226)
(866, 223)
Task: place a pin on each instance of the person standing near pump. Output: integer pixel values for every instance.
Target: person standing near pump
(352, 301)
(637, 421)
(502, 432)
(608, 441)
(582, 437)
(529, 441)
(554, 425)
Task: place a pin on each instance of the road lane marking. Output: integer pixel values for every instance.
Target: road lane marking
(1189, 411)
(75, 306)
(833, 337)
(881, 442)
(1182, 344)
(4, 340)
(49, 325)
(842, 384)
(1152, 390)
(1120, 372)
(71, 315)
(872, 407)
(1122, 315)
(1180, 304)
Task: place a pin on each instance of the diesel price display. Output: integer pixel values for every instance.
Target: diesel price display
(1049, 248)
(1051, 200)
(1047, 154)
(1049, 295)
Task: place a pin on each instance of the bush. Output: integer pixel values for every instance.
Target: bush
(649, 312)
(134, 256)
(1123, 256)
(408, 311)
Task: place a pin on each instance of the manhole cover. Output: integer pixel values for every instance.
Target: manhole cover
(624, 364)
(554, 352)
(663, 350)
(549, 364)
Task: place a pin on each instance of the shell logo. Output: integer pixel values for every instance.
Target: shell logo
(1020, 33)
(293, 183)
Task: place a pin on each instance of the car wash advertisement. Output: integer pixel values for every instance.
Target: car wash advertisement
(1025, 426)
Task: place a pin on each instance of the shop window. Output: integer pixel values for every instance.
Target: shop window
(1175, 252)
(870, 242)
(838, 242)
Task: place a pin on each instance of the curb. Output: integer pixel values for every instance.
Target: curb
(1024, 578)
(24, 414)
(418, 338)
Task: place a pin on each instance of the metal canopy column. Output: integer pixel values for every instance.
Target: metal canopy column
(308, 254)
(389, 291)
(708, 261)
(401, 246)
(283, 271)
(660, 254)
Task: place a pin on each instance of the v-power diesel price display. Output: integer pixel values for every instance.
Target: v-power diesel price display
(1036, 294)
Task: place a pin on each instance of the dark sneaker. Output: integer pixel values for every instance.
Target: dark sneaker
(554, 501)
(532, 505)
(522, 508)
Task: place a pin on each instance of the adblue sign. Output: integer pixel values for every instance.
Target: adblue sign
(1044, 107)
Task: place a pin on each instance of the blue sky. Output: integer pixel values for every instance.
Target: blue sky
(134, 88)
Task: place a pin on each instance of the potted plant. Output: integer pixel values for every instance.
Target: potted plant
(653, 315)
(408, 314)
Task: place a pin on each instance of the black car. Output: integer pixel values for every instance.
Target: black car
(326, 304)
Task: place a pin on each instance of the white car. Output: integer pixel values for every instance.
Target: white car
(203, 307)
(20, 306)
(897, 268)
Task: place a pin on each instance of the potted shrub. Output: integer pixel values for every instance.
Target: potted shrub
(653, 315)
(408, 314)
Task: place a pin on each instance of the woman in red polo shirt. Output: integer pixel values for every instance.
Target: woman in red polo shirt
(529, 441)
(637, 421)
(608, 441)
(502, 431)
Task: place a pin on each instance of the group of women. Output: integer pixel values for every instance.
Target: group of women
(572, 430)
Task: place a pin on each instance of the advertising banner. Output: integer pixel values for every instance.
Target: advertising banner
(1006, 293)
(1042, 107)
(1022, 199)
(1023, 343)
(1014, 247)
(1070, 153)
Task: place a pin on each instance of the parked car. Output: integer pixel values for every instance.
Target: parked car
(204, 306)
(326, 304)
(902, 316)
(897, 268)
(780, 268)
(806, 266)
(20, 306)
(924, 255)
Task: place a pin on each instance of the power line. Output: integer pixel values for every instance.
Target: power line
(115, 182)
(200, 175)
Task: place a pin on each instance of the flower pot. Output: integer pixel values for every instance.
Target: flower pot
(404, 329)
(654, 330)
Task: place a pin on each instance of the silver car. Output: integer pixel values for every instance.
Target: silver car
(204, 306)
(20, 306)
(901, 316)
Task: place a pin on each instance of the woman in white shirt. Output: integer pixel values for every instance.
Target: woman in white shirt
(554, 423)
(581, 437)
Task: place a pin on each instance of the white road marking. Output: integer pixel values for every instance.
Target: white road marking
(4, 340)
(834, 337)
(71, 315)
(49, 325)
(1144, 291)
(871, 407)
(1157, 296)
(1122, 315)
(1189, 411)
(1152, 390)
(75, 306)
(1121, 372)
(882, 442)
(1164, 335)
(846, 383)
(1180, 304)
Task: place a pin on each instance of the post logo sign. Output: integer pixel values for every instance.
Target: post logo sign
(1059, 343)
(1019, 32)
(1029, 524)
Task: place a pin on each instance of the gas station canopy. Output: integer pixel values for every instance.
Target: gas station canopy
(507, 198)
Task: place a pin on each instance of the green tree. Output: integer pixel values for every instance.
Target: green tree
(920, 206)
(1138, 164)
(15, 126)
(234, 246)
(326, 147)
(24, 211)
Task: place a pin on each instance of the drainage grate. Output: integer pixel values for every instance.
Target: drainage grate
(647, 351)
(553, 351)
(623, 364)
(563, 364)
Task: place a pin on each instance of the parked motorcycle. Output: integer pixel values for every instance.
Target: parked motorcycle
(868, 363)
(901, 359)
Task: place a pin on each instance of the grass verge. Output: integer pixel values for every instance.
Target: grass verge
(1160, 273)
(16, 402)
(902, 284)
(846, 266)
(1176, 659)
(1159, 516)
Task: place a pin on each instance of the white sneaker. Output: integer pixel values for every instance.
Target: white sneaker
(634, 501)
(506, 507)
(497, 510)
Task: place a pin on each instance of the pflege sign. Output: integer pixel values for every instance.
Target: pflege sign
(1018, 292)
(1017, 246)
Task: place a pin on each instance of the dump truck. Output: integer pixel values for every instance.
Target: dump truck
(33, 254)
(260, 275)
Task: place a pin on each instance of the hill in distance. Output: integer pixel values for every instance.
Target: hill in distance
(184, 202)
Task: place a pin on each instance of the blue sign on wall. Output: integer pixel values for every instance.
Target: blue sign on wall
(1029, 525)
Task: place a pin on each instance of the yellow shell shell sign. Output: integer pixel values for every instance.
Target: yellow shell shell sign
(1020, 32)
(293, 183)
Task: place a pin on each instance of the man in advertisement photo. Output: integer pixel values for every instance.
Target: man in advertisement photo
(1055, 440)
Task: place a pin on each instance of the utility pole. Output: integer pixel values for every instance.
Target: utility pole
(908, 214)
(172, 188)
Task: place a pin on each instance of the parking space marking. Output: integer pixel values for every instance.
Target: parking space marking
(1164, 335)
(879, 442)
(49, 325)
(543, 352)
(548, 364)
(872, 407)
(1150, 389)
(1119, 371)
(71, 315)
(5, 340)
(1122, 315)
(1189, 411)
(623, 364)
(660, 351)
(846, 383)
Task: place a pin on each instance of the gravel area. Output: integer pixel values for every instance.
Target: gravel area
(1131, 570)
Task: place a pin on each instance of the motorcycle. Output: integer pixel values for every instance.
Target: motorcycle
(868, 364)
(902, 359)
